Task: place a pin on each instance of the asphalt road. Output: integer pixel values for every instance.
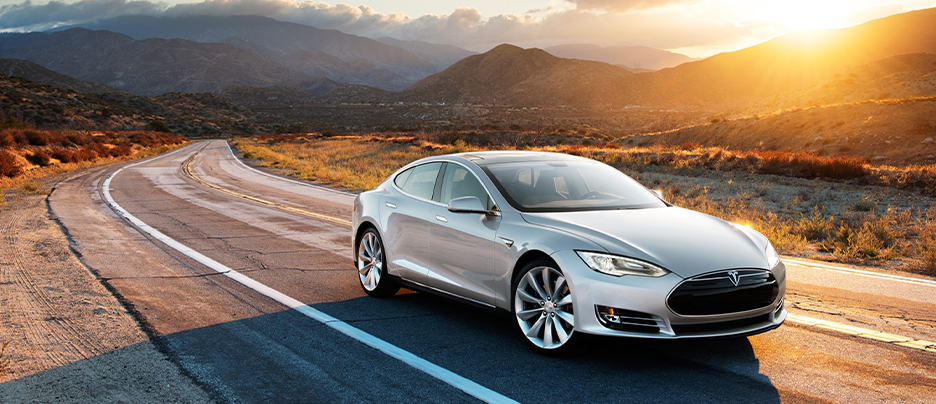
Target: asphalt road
(241, 345)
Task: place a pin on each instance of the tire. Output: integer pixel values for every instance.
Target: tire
(371, 260)
(545, 317)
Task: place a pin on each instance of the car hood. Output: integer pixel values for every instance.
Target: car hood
(685, 242)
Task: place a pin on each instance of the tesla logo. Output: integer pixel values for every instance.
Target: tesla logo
(733, 276)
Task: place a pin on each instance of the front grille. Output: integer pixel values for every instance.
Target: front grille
(715, 293)
(688, 329)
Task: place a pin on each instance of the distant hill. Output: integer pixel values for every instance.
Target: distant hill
(313, 51)
(632, 57)
(442, 56)
(151, 66)
(767, 72)
(47, 107)
(508, 74)
(33, 72)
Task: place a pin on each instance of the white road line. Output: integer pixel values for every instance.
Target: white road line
(472, 388)
(281, 178)
(859, 272)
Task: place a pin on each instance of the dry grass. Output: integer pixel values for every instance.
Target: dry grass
(24, 181)
(27, 154)
(4, 362)
(855, 235)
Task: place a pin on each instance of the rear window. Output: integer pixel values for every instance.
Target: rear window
(419, 181)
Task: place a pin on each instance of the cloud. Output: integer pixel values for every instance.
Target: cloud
(624, 5)
(692, 25)
(28, 16)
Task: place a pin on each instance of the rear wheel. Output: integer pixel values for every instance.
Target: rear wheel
(543, 307)
(372, 266)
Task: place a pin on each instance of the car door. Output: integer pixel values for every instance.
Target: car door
(406, 233)
(461, 245)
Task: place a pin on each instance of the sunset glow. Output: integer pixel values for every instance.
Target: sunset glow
(803, 15)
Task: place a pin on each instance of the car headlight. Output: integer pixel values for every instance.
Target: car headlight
(772, 257)
(617, 265)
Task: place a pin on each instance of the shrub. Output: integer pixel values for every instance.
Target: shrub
(79, 139)
(121, 150)
(37, 138)
(64, 155)
(810, 165)
(6, 139)
(863, 205)
(927, 253)
(815, 227)
(85, 154)
(159, 126)
(39, 158)
(8, 165)
(31, 187)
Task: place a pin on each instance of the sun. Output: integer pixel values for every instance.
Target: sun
(808, 15)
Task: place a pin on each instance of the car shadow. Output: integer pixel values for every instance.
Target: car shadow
(484, 346)
(286, 356)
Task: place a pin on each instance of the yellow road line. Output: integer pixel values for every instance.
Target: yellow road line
(187, 170)
(928, 346)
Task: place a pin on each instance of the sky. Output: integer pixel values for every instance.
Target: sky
(697, 28)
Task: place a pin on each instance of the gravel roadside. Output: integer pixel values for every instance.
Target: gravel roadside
(68, 338)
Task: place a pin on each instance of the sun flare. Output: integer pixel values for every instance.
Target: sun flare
(807, 15)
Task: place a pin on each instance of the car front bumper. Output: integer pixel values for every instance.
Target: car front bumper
(641, 305)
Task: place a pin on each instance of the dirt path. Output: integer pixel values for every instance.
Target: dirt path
(67, 336)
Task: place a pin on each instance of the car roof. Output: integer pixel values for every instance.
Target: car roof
(482, 158)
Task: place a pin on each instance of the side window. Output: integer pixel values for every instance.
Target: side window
(459, 182)
(421, 182)
(400, 179)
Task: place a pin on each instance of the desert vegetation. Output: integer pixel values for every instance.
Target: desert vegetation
(26, 154)
(836, 208)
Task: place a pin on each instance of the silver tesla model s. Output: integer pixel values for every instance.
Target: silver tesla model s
(568, 245)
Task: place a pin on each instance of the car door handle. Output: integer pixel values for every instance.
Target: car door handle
(390, 205)
(441, 219)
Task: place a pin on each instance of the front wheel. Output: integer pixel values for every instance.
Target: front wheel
(543, 307)
(372, 266)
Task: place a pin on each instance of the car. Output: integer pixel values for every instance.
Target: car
(568, 245)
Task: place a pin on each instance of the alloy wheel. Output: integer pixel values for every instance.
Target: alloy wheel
(543, 307)
(370, 261)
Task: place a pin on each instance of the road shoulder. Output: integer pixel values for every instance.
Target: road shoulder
(68, 336)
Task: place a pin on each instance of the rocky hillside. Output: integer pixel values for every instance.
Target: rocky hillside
(46, 107)
(33, 72)
(151, 66)
(508, 74)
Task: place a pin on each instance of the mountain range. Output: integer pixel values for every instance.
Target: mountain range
(782, 72)
(315, 52)
(256, 60)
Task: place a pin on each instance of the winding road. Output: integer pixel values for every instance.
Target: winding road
(244, 279)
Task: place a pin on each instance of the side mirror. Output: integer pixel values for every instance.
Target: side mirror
(467, 204)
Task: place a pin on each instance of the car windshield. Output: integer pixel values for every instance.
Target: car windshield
(546, 186)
